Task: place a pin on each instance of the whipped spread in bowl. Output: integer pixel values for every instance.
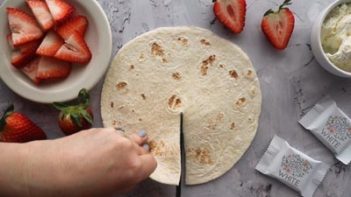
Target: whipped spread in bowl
(336, 36)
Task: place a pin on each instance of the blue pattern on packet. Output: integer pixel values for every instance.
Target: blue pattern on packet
(331, 126)
(292, 167)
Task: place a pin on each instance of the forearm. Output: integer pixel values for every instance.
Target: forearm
(12, 173)
(29, 169)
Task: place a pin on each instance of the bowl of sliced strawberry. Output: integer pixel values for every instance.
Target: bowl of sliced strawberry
(50, 49)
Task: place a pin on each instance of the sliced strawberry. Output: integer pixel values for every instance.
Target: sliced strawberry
(74, 50)
(9, 40)
(50, 69)
(50, 45)
(41, 13)
(31, 70)
(278, 26)
(78, 23)
(231, 13)
(23, 27)
(59, 9)
(23, 53)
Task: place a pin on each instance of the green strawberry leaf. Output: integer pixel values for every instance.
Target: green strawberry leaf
(270, 11)
(83, 97)
(76, 120)
(87, 117)
(60, 106)
(9, 110)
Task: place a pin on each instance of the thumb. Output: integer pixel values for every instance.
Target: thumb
(149, 165)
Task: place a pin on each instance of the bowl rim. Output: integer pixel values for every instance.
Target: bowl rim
(321, 20)
(66, 93)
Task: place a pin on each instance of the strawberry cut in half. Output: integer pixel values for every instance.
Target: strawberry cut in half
(59, 9)
(23, 53)
(52, 69)
(41, 13)
(278, 26)
(231, 13)
(9, 40)
(31, 70)
(75, 117)
(50, 45)
(77, 23)
(75, 50)
(23, 26)
(16, 127)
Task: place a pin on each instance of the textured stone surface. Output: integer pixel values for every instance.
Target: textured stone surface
(291, 81)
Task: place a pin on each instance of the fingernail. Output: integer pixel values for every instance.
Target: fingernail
(142, 133)
(146, 147)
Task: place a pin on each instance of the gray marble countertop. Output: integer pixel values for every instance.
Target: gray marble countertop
(292, 81)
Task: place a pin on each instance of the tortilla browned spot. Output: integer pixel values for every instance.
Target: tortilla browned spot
(174, 102)
(241, 102)
(121, 85)
(232, 126)
(205, 64)
(176, 76)
(183, 41)
(205, 42)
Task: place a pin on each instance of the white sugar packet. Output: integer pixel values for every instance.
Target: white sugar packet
(331, 126)
(292, 167)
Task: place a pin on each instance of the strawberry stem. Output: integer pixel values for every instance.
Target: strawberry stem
(284, 4)
(7, 112)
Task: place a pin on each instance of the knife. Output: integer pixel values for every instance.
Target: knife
(182, 159)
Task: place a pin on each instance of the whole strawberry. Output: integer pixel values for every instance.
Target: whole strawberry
(278, 26)
(77, 117)
(16, 127)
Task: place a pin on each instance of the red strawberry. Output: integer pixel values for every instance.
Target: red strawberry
(23, 27)
(31, 70)
(59, 9)
(231, 13)
(9, 40)
(74, 118)
(51, 69)
(74, 50)
(41, 13)
(16, 127)
(278, 26)
(50, 45)
(23, 53)
(78, 23)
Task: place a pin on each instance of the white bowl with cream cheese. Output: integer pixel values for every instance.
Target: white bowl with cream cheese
(331, 38)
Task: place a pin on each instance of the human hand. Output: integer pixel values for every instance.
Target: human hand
(94, 162)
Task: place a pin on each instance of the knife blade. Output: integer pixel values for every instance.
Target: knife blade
(182, 159)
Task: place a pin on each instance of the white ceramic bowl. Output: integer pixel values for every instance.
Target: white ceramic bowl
(316, 42)
(99, 40)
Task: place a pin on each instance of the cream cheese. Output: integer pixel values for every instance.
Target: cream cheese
(336, 36)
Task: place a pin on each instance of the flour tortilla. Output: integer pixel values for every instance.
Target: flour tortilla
(171, 70)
